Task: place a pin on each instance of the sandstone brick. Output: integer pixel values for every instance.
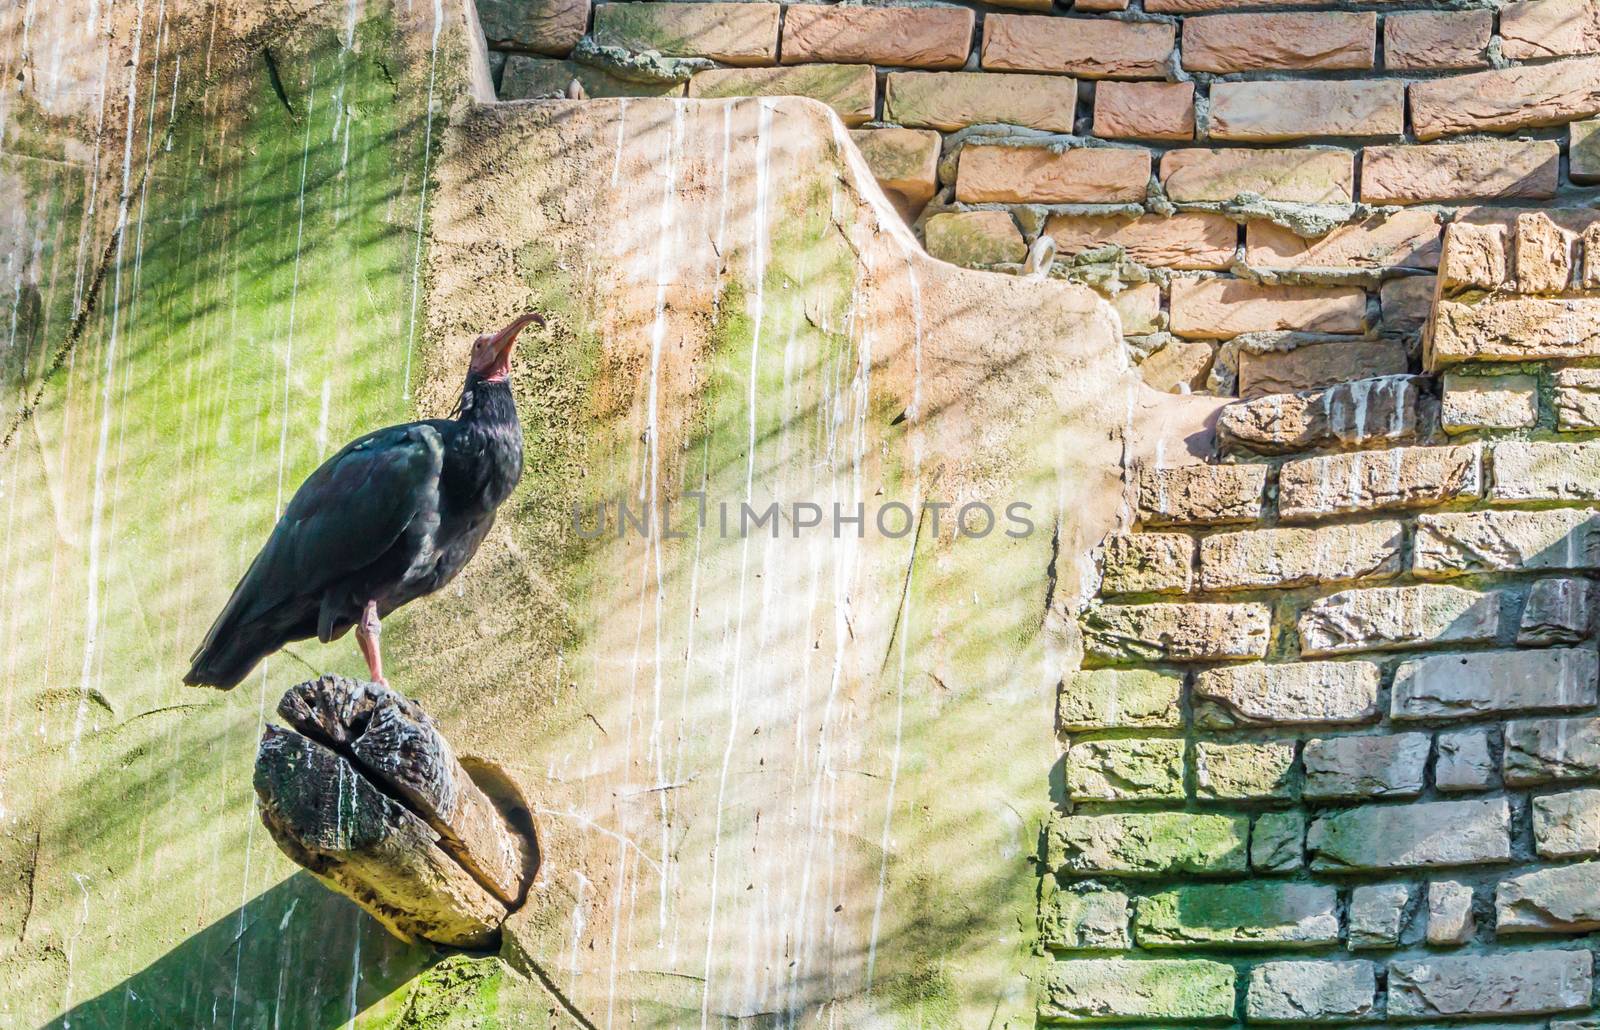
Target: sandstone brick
(1507, 98)
(1097, 5)
(1446, 172)
(1437, 39)
(1025, 174)
(1567, 825)
(1473, 257)
(1277, 842)
(1200, 495)
(1462, 685)
(1145, 563)
(904, 161)
(948, 101)
(1239, 771)
(1578, 398)
(1319, 992)
(1375, 766)
(1213, 308)
(524, 77)
(1404, 477)
(1203, 6)
(1450, 919)
(1084, 919)
(1320, 363)
(1125, 770)
(1359, 413)
(1300, 176)
(1389, 618)
(1147, 844)
(1118, 633)
(1533, 471)
(974, 237)
(1462, 761)
(1378, 915)
(1583, 152)
(551, 27)
(1190, 240)
(1488, 402)
(1106, 699)
(1240, 915)
(1552, 750)
(1274, 111)
(1564, 899)
(1259, 42)
(1304, 693)
(1543, 252)
(1139, 308)
(850, 90)
(1456, 543)
(904, 37)
(1181, 366)
(1402, 239)
(1296, 557)
(732, 33)
(1407, 303)
(1507, 984)
(1418, 835)
(1549, 28)
(1515, 329)
(1144, 110)
(1090, 48)
(1559, 610)
(1154, 989)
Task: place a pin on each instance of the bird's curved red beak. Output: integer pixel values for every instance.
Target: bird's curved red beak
(501, 344)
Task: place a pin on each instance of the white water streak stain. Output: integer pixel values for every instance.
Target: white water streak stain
(422, 195)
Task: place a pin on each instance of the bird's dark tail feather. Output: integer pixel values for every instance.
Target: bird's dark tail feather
(224, 663)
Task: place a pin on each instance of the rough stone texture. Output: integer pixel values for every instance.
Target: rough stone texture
(542, 26)
(904, 161)
(1361, 413)
(1488, 402)
(1376, 766)
(1101, 989)
(1463, 761)
(1562, 899)
(1407, 303)
(1139, 308)
(1277, 842)
(1403, 477)
(1543, 252)
(1326, 361)
(1301, 176)
(1125, 770)
(1220, 308)
(904, 37)
(1498, 169)
(1415, 836)
(1105, 699)
(731, 33)
(974, 237)
(1190, 240)
(1237, 771)
(1122, 633)
(1378, 915)
(1148, 844)
(1457, 543)
(1239, 915)
(1509, 984)
(1578, 398)
(1387, 618)
(1552, 750)
(1546, 472)
(1462, 685)
(1515, 329)
(1084, 919)
(1200, 495)
(948, 101)
(1179, 367)
(1316, 992)
(1583, 151)
(1259, 42)
(525, 77)
(1450, 919)
(1303, 693)
(1507, 98)
(1269, 112)
(1149, 563)
(1403, 239)
(1026, 174)
(1437, 39)
(1567, 825)
(1558, 611)
(1144, 110)
(1473, 257)
(851, 90)
(1296, 557)
(1091, 48)
(1549, 28)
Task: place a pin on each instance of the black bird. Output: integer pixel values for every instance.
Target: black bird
(392, 517)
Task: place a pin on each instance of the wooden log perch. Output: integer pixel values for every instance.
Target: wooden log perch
(369, 796)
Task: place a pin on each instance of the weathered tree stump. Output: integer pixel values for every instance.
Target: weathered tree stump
(369, 796)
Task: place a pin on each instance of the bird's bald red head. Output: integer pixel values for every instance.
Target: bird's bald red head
(491, 352)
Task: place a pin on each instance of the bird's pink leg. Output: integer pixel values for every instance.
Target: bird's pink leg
(367, 632)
